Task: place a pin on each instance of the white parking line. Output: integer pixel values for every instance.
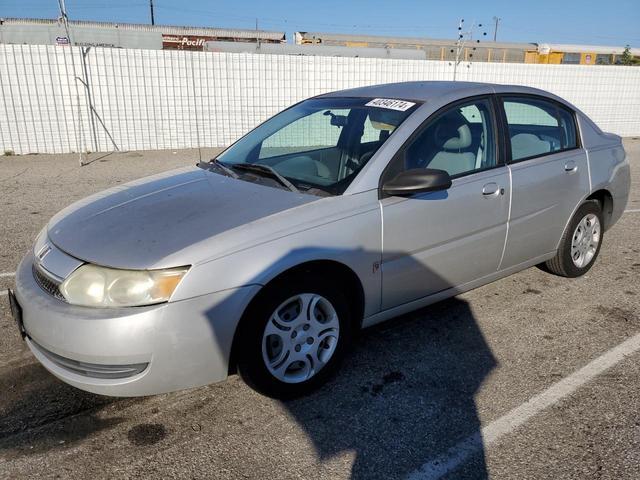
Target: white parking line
(633, 210)
(473, 444)
(7, 274)
(3, 293)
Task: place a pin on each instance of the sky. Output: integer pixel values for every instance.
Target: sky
(615, 22)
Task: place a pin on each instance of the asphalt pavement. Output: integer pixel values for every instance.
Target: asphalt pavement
(427, 394)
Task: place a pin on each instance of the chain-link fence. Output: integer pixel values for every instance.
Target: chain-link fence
(70, 99)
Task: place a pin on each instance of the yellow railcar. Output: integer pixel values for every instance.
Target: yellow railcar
(577, 54)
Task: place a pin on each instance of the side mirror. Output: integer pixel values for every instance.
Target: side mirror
(417, 180)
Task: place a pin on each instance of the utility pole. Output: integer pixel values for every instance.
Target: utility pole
(495, 29)
(85, 82)
(65, 22)
(65, 19)
(153, 22)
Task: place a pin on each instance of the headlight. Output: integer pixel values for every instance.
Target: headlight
(94, 286)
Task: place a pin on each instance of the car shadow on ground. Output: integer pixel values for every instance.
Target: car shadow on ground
(405, 394)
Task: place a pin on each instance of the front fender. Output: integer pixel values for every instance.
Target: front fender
(354, 241)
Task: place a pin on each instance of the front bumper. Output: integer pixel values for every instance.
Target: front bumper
(155, 349)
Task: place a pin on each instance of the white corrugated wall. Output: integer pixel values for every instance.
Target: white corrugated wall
(155, 99)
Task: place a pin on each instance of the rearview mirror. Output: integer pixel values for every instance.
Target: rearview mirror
(336, 120)
(417, 180)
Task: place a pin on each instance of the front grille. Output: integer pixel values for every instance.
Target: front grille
(95, 370)
(47, 284)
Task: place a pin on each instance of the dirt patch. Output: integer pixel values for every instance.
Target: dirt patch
(618, 315)
(532, 290)
(387, 379)
(146, 434)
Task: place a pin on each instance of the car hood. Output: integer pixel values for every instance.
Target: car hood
(165, 220)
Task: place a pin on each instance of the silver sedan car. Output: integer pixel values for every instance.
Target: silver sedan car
(342, 211)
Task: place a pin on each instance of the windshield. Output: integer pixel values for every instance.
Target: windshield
(318, 145)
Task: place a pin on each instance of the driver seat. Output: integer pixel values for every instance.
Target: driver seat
(451, 158)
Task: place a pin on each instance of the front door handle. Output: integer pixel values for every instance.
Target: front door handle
(570, 166)
(491, 190)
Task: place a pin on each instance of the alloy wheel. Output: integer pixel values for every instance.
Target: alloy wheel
(585, 240)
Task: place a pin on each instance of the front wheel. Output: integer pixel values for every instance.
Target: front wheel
(293, 337)
(580, 243)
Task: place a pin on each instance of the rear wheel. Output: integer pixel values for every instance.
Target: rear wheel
(580, 243)
(293, 337)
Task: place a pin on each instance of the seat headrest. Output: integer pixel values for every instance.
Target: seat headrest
(526, 139)
(462, 140)
(527, 145)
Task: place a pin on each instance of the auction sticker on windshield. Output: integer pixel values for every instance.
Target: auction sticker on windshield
(391, 103)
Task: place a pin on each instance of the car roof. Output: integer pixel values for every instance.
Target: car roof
(424, 90)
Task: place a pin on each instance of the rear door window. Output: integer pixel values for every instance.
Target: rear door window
(538, 127)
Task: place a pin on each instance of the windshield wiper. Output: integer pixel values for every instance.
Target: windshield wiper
(260, 168)
(223, 167)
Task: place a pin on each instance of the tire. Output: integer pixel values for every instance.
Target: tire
(563, 263)
(263, 361)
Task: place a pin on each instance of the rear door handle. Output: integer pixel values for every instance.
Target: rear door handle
(491, 190)
(570, 166)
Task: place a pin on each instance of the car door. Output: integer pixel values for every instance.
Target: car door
(549, 174)
(437, 240)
